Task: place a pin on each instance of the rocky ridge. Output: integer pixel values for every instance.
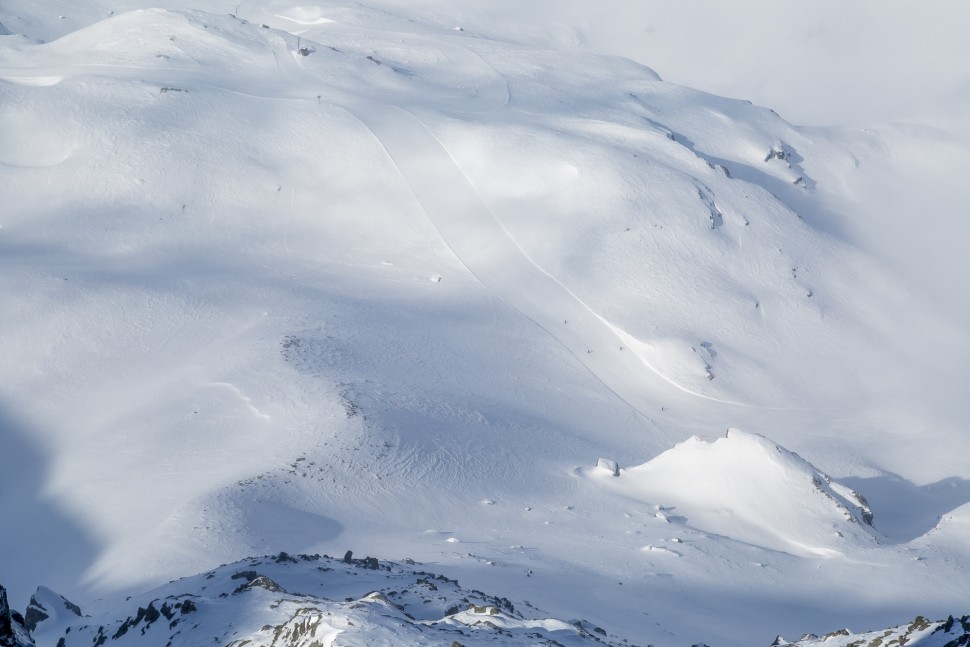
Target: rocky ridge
(312, 601)
(13, 633)
(952, 632)
(322, 601)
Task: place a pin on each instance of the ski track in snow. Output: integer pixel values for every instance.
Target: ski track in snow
(455, 209)
(483, 246)
(404, 127)
(490, 253)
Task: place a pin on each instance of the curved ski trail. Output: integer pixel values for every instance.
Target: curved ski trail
(487, 250)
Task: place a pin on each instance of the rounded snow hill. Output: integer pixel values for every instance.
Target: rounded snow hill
(747, 488)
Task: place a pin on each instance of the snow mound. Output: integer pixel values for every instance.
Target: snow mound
(747, 488)
(949, 534)
(305, 15)
(136, 42)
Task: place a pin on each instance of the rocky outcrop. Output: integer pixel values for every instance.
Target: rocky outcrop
(952, 632)
(309, 600)
(13, 633)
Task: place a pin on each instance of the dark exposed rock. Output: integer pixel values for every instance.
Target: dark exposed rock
(261, 582)
(957, 630)
(13, 633)
(35, 615)
(249, 576)
(147, 614)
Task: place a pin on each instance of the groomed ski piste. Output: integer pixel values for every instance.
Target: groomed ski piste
(436, 282)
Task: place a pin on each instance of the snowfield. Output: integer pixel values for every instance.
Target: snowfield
(477, 287)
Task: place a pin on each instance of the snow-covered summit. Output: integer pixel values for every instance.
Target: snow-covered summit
(50, 609)
(319, 601)
(747, 488)
(314, 601)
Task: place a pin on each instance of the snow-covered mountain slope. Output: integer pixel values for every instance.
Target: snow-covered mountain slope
(298, 277)
(952, 632)
(840, 63)
(309, 600)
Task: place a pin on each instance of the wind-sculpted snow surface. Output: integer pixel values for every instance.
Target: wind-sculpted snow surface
(290, 276)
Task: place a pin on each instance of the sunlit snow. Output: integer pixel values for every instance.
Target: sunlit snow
(470, 283)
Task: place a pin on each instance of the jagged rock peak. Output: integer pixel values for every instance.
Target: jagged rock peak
(12, 630)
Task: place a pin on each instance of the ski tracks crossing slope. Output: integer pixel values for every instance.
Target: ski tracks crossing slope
(459, 214)
(486, 249)
(484, 246)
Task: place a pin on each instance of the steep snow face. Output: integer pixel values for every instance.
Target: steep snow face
(313, 275)
(745, 487)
